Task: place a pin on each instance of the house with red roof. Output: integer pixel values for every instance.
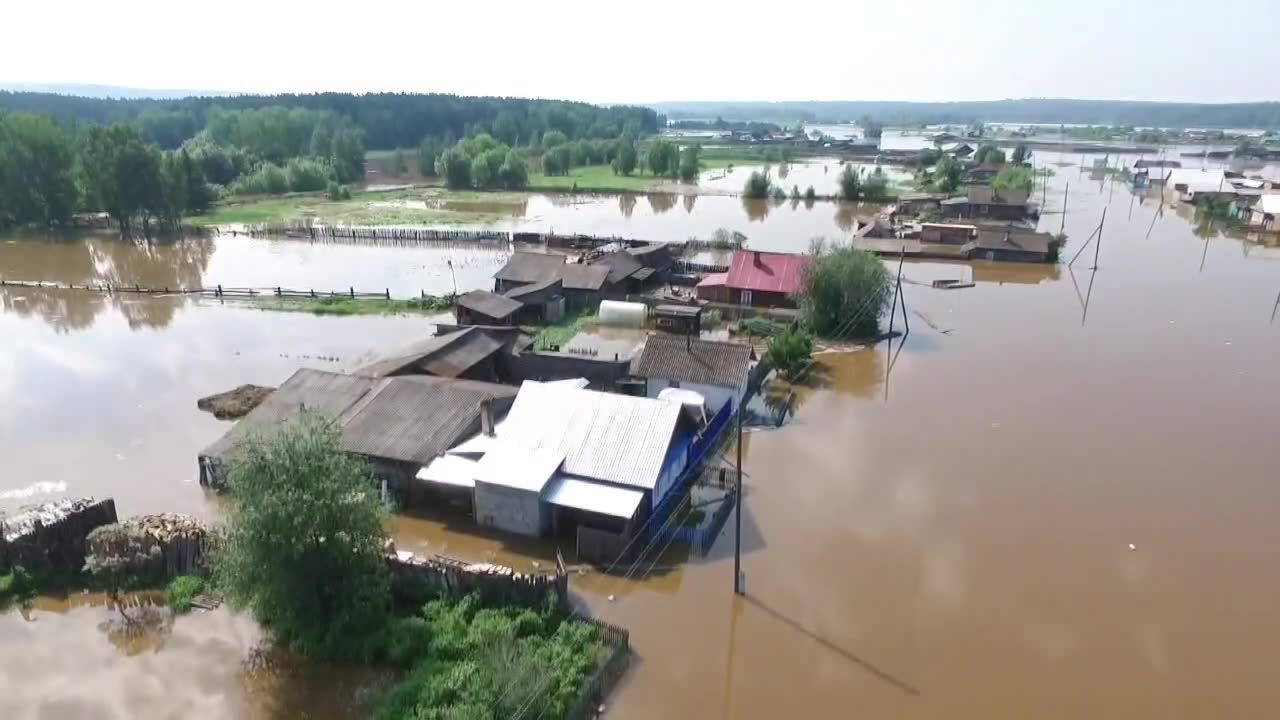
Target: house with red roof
(758, 279)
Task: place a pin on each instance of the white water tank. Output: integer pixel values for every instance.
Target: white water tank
(615, 313)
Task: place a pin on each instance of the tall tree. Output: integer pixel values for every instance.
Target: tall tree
(850, 183)
(625, 161)
(303, 547)
(37, 180)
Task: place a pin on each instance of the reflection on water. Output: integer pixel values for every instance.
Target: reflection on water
(627, 204)
(661, 202)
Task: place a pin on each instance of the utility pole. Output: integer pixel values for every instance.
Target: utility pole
(1063, 225)
(1098, 247)
(737, 540)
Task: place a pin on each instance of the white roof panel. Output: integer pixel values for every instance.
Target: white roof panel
(604, 436)
(593, 497)
(523, 468)
(1199, 181)
(1269, 204)
(450, 470)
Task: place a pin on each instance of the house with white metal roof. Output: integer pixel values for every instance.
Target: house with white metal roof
(1191, 184)
(565, 457)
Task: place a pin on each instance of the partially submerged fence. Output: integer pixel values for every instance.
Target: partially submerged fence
(219, 291)
(417, 578)
(598, 686)
(53, 535)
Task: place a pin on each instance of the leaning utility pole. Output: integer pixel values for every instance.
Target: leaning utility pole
(737, 541)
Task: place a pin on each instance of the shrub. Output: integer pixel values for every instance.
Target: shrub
(757, 187)
(182, 590)
(308, 174)
(266, 179)
(789, 351)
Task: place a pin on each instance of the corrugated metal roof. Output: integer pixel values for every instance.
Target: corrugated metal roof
(1199, 181)
(520, 293)
(325, 393)
(527, 267)
(488, 304)
(416, 418)
(767, 272)
(615, 438)
(1005, 240)
(593, 497)
(714, 280)
(705, 362)
(512, 465)
(576, 276)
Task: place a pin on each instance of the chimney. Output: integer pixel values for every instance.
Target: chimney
(486, 417)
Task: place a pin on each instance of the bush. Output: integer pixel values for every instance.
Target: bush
(1013, 177)
(789, 351)
(182, 590)
(266, 179)
(16, 585)
(759, 327)
(810, 195)
(778, 194)
(876, 187)
(845, 292)
(308, 174)
(850, 184)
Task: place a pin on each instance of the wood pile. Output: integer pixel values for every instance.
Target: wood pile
(52, 535)
(168, 544)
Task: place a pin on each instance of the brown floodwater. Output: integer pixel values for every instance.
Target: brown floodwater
(1054, 499)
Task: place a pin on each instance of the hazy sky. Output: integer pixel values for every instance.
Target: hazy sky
(658, 50)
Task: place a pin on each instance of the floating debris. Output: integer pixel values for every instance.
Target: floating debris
(236, 403)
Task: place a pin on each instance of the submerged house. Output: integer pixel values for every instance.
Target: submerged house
(1015, 245)
(981, 201)
(626, 273)
(397, 423)
(468, 353)
(1195, 185)
(1266, 213)
(757, 279)
(717, 371)
(481, 307)
(527, 268)
(566, 458)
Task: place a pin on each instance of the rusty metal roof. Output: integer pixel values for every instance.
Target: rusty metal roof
(704, 362)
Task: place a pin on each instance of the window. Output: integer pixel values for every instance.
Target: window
(745, 297)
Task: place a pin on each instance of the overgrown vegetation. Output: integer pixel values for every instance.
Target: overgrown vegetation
(182, 590)
(1014, 177)
(346, 305)
(989, 154)
(16, 586)
(757, 186)
(845, 292)
(759, 327)
(790, 350)
(554, 336)
(493, 663)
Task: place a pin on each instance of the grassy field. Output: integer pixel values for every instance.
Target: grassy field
(593, 178)
(400, 207)
(351, 306)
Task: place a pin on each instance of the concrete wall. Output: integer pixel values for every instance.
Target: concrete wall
(510, 509)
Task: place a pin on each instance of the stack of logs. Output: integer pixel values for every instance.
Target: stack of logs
(167, 544)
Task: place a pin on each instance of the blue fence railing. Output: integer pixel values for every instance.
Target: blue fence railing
(702, 446)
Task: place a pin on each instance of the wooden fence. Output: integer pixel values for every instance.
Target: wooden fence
(417, 578)
(602, 681)
(217, 291)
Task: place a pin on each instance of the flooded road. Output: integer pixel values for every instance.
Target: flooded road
(944, 529)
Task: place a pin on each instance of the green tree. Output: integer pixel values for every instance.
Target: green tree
(556, 161)
(1014, 177)
(1021, 154)
(845, 291)
(303, 546)
(553, 138)
(120, 174)
(37, 175)
(689, 163)
(428, 152)
(625, 161)
(871, 129)
(810, 195)
(989, 154)
(876, 187)
(850, 183)
(514, 173)
(308, 174)
(757, 186)
(790, 350)
(455, 167)
(347, 154)
(946, 174)
(661, 158)
(795, 192)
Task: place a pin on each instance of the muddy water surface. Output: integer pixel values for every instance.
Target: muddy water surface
(1053, 500)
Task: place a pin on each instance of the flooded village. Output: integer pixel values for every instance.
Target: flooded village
(1040, 488)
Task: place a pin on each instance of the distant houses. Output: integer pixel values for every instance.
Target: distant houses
(984, 202)
(1265, 213)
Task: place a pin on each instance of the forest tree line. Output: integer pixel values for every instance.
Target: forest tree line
(388, 120)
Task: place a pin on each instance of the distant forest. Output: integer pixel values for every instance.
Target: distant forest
(1264, 115)
(389, 120)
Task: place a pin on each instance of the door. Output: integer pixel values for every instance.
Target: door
(744, 298)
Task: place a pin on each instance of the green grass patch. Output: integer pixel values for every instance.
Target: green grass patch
(398, 207)
(182, 590)
(560, 333)
(340, 305)
(594, 178)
